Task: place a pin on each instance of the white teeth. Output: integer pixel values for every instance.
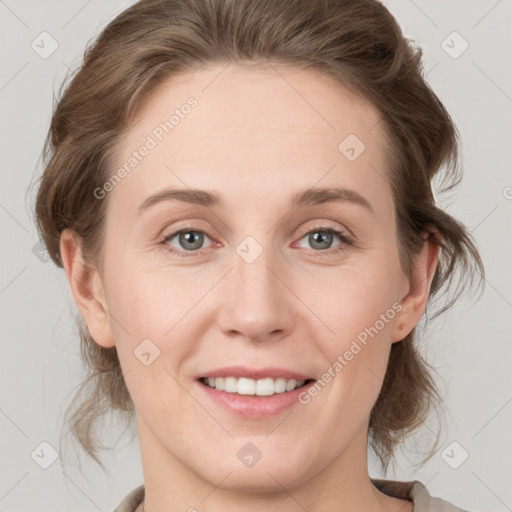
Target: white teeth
(260, 387)
(280, 385)
(265, 387)
(230, 384)
(291, 384)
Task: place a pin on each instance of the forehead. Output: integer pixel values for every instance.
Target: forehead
(254, 128)
(237, 97)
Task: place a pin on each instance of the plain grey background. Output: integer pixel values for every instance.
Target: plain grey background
(470, 346)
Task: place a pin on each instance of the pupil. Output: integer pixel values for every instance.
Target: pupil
(188, 238)
(323, 237)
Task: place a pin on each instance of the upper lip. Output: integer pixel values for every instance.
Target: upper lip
(254, 373)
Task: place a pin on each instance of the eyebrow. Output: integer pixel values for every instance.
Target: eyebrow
(306, 197)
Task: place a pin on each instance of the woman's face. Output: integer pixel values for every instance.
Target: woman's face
(256, 280)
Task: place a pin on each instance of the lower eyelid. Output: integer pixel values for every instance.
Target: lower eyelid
(343, 237)
(168, 238)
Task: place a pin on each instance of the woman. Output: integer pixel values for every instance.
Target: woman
(240, 195)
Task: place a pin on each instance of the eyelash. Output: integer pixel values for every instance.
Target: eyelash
(346, 240)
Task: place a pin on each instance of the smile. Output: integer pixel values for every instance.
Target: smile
(247, 386)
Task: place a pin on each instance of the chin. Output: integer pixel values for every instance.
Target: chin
(263, 477)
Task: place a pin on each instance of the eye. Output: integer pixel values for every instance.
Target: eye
(191, 240)
(321, 238)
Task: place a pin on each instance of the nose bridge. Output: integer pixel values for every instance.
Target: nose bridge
(256, 303)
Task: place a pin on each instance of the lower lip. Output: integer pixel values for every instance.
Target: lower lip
(254, 407)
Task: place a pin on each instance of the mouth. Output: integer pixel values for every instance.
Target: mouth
(253, 393)
(254, 387)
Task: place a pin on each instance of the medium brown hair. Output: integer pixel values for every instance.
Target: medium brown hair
(357, 42)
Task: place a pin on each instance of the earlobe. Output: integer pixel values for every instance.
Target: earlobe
(87, 289)
(415, 300)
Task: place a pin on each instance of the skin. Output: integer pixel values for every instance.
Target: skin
(257, 136)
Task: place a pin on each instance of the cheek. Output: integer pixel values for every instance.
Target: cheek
(153, 339)
(151, 302)
(160, 314)
(357, 307)
(353, 300)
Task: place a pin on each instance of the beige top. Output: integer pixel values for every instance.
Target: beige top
(414, 491)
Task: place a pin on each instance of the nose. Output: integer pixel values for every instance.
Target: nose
(257, 303)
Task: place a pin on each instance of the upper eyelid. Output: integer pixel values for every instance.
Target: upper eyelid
(317, 225)
(320, 225)
(303, 232)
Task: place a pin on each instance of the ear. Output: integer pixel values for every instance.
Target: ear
(417, 290)
(87, 289)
